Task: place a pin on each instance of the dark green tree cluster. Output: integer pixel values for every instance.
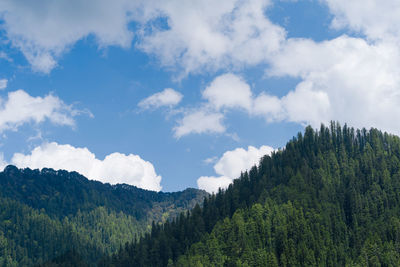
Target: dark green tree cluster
(330, 198)
(69, 259)
(61, 193)
(31, 236)
(58, 215)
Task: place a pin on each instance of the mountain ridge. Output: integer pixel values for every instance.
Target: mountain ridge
(58, 180)
(331, 197)
(41, 209)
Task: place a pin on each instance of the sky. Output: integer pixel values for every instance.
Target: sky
(166, 95)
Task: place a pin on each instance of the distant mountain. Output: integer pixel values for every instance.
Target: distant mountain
(330, 198)
(45, 214)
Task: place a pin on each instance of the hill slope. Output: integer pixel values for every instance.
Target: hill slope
(329, 198)
(44, 214)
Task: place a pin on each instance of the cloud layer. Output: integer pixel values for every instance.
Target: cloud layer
(43, 30)
(114, 168)
(209, 35)
(378, 20)
(345, 79)
(349, 79)
(195, 36)
(230, 166)
(22, 108)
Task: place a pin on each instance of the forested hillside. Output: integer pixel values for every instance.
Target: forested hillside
(55, 214)
(330, 198)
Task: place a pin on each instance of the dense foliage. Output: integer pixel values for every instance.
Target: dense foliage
(61, 193)
(56, 214)
(329, 198)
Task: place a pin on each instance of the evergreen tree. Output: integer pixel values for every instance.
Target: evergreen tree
(329, 198)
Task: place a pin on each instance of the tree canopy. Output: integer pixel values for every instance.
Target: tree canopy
(331, 197)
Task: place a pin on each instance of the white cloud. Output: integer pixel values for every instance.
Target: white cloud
(22, 108)
(307, 105)
(211, 183)
(44, 29)
(352, 80)
(268, 106)
(3, 84)
(199, 35)
(228, 91)
(168, 97)
(114, 168)
(199, 121)
(345, 79)
(378, 20)
(230, 166)
(233, 162)
(225, 92)
(211, 35)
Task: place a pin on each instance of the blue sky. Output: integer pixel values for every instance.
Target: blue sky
(169, 95)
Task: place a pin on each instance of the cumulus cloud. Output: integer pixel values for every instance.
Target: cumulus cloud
(230, 166)
(196, 121)
(233, 162)
(114, 168)
(345, 79)
(378, 20)
(228, 91)
(348, 79)
(212, 184)
(43, 29)
(268, 106)
(199, 121)
(353, 80)
(22, 108)
(3, 84)
(211, 35)
(198, 35)
(168, 97)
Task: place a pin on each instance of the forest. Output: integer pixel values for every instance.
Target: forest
(330, 197)
(50, 215)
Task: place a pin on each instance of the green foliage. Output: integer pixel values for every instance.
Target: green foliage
(329, 198)
(63, 216)
(61, 193)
